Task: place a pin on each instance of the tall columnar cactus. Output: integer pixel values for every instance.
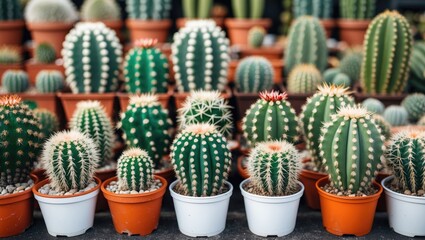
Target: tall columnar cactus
(92, 58)
(273, 167)
(318, 110)
(201, 159)
(42, 11)
(200, 54)
(20, 141)
(256, 36)
(70, 159)
(9, 56)
(352, 149)
(321, 9)
(146, 125)
(49, 122)
(417, 67)
(304, 78)
(15, 81)
(49, 81)
(252, 9)
(45, 53)
(386, 55)
(148, 9)
(10, 10)
(357, 9)
(383, 125)
(91, 119)
(396, 115)
(374, 105)
(254, 74)
(146, 69)
(96, 10)
(351, 65)
(197, 8)
(135, 170)
(270, 118)
(406, 157)
(414, 105)
(306, 44)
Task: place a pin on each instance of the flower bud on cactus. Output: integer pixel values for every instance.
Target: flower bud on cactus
(45, 53)
(148, 9)
(414, 105)
(374, 105)
(254, 74)
(49, 81)
(256, 36)
(304, 78)
(134, 170)
(396, 115)
(15, 81)
(49, 122)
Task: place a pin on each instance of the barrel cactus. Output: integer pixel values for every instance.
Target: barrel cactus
(135, 170)
(414, 105)
(49, 81)
(330, 74)
(396, 115)
(256, 36)
(304, 78)
(383, 125)
(43, 11)
(148, 9)
(15, 81)
(341, 79)
(10, 10)
(374, 105)
(252, 9)
(97, 10)
(351, 65)
(45, 53)
(321, 9)
(357, 9)
(48, 121)
(417, 67)
(197, 8)
(9, 55)
(254, 74)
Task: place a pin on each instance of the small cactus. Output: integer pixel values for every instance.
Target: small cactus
(9, 56)
(49, 122)
(330, 74)
(414, 105)
(254, 74)
(341, 79)
(15, 81)
(374, 105)
(135, 170)
(43, 11)
(321, 9)
(417, 67)
(383, 125)
(148, 9)
(256, 36)
(10, 10)
(396, 115)
(197, 8)
(98, 10)
(253, 9)
(49, 81)
(351, 66)
(45, 53)
(304, 78)
(357, 9)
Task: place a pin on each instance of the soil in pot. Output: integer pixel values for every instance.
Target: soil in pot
(308, 177)
(11, 32)
(157, 29)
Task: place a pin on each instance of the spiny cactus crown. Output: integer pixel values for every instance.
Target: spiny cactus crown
(414, 105)
(321, 9)
(10, 10)
(304, 78)
(148, 9)
(42, 11)
(134, 170)
(396, 115)
(45, 53)
(15, 81)
(254, 74)
(49, 122)
(97, 10)
(253, 9)
(49, 81)
(197, 8)
(374, 105)
(9, 55)
(357, 9)
(256, 36)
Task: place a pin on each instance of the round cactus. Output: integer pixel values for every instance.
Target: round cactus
(97, 10)
(351, 65)
(254, 74)
(9, 55)
(45, 53)
(341, 79)
(383, 125)
(15, 81)
(49, 81)
(256, 36)
(43, 11)
(330, 74)
(10, 10)
(135, 170)
(49, 122)
(417, 67)
(396, 115)
(374, 105)
(148, 9)
(414, 105)
(304, 78)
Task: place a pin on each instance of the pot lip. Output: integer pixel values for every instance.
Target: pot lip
(77, 96)
(271, 199)
(147, 24)
(210, 199)
(397, 195)
(49, 25)
(128, 95)
(42, 183)
(353, 22)
(239, 22)
(33, 63)
(132, 196)
(345, 198)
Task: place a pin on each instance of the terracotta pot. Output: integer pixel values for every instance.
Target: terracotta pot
(33, 68)
(168, 174)
(328, 25)
(102, 204)
(11, 32)
(181, 22)
(238, 28)
(277, 67)
(44, 100)
(352, 31)
(135, 214)
(124, 99)
(244, 102)
(347, 215)
(309, 179)
(297, 100)
(5, 67)
(243, 171)
(148, 29)
(269, 52)
(382, 206)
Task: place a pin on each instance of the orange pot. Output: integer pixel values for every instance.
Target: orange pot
(269, 52)
(148, 29)
(181, 22)
(243, 171)
(347, 215)
(33, 68)
(5, 67)
(135, 214)
(328, 25)
(102, 204)
(238, 28)
(308, 179)
(44, 100)
(352, 31)
(124, 99)
(11, 32)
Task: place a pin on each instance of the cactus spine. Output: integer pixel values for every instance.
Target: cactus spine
(10, 10)
(49, 122)
(417, 67)
(373, 105)
(256, 36)
(49, 81)
(357, 9)
(304, 78)
(134, 170)
(321, 9)
(396, 115)
(197, 8)
(254, 74)
(45, 53)
(253, 9)
(96, 10)
(414, 105)
(148, 9)
(15, 81)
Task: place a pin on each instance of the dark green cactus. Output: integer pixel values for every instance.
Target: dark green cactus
(357, 9)
(254, 74)
(414, 105)
(9, 56)
(304, 78)
(45, 53)
(135, 170)
(97, 10)
(396, 115)
(374, 105)
(15, 81)
(417, 68)
(244, 9)
(49, 122)
(148, 9)
(351, 66)
(321, 9)
(256, 36)
(197, 8)
(10, 10)
(49, 81)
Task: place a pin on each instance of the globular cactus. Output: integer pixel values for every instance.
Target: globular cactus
(10, 10)
(97, 10)
(197, 8)
(330, 74)
(405, 156)
(146, 69)
(200, 54)
(49, 81)
(15, 81)
(414, 105)
(206, 107)
(357, 9)
(146, 125)
(70, 159)
(20, 141)
(270, 118)
(135, 170)
(383, 125)
(273, 167)
(9, 56)
(341, 79)
(304, 78)
(253, 9)
(45, 53)
(92, 58)
(254, 74)
(91, 119)
(321, 9)
(256, 36)
(148, 9)
(417, 67)
(374, 105)
(396, 115)
(42, 11)
(351, 65)
(318, 110)
(352, 149)
(49, 122)
(201, 160)
(386, 54)
(306, 44)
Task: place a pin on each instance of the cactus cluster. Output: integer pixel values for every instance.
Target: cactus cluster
(253, 9)
(254, 74)
(417, 67)
(415, 106)
(49, 81)
(9, 56)
(96, 10)
(197, 8)
(45, 53)
(321, 9)
(396, 115)
(15, 81)
(373, 105)
(256, 36)
(134, 170)
(42, 11)
(49, 122)
(351, 65)
(304, 78)
(357, 9)
(148, 9)
(10, 10)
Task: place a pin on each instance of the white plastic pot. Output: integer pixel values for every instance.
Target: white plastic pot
(406, 214)
(201, 216)
(271, 216)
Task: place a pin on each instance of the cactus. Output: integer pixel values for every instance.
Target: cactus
(254, 74)
(318, 110)
(97, 10)
(135, 170)
(351, 65)
(383, 125)
(341, 79)
(45, 53)
(197, 8)
(321, 9)
(330, 74)
(396, 115)
(352, 149)
(405, 156)
(374, 105)
(146, 69)
(357, 9)
(201, 160)
(10, 10)
(9, 56)
(43, 11)
(414, 105)
(15, 81)
(306, 44)
(92, 58)
(20, 141)
(386, 56)
(304, 78)
(49, 122)
(200, 54)
(91, 119)
(270, 118)
(146, 125)
(49, 81)
(273, 167)
(206, 107)
(70, 159)
(417, 67)
(253, 9)
(148, 9)
(256, 36)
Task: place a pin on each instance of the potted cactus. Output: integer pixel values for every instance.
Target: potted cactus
(11, 23)
(15, 81)
(201, 188)
(321, 9)
(10, 58)
(197, 9)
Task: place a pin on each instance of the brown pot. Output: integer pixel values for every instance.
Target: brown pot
(11, 32)
(102, 204)
(243, 171)
(148, 29)
(5, 67)
(33, 68)
(44, 100)
(352, 31)
(124, 98)
(269, 52)
(309, 179)
(181, 22)
(328, 25)
(238, 28)
(277, 65)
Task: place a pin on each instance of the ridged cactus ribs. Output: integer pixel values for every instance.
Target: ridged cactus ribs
(135, 170)
(148, 9)
(304, 78)
(254, 74)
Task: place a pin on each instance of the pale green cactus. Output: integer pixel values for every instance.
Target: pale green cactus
(135, 170)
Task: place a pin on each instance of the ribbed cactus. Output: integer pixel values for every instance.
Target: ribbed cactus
(200, 54)
(417, 67)
(9, 55)
(20, 141)
(252, 9)
(197, 8)
(351, 65)
(273, 167)
(42, 11)
(321, 9)
(374, 105)
(10, 10)
(383, 125)
(134, 170)
(49, 81)
(352, 149)
(396, 115)
(256, 36)
(70, 159)
(306, 44)
(201, 160)
(330, 74)
(207, 107)
(406, 157)
(357, 9)
(341, 79)
(146, 125)
(15, 81)
(254, 74)
(304, 78)
(96, 10)
(148, 9)
(92, 58)
(146, 69)
(414, 105)
(45, 53)
(49, 122)
(386, 56)
(318, 110)
(270, 118)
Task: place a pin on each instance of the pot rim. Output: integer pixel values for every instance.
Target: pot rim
(132, 196)
(83, 96)
(9, 198)
(271, 199)
(209, 199)
(400, 196)
(247, 22)
(45, 181)
(49, 26)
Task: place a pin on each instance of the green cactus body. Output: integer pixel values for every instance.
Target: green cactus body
(383, 125)
(15, 81)
(96, 10)
(197, 8)
(201, 159)
(49, 122)
(318, 110)
(357, 9)
(270, 118)
(351, 65)
(252, 9)
(341, 79)
(146, 69)
(9, 56)
(49, 81)
(414, 105)
(92, 58)
(135, 170)
(386, 56)
(306, 44)
(10, 10)
(374, 105)
(417, 67)
(396, 115)
(148, 9)
(200, 54)
(304, 78)
(321, 9)
(330, 74)
(44, 11)
(254, 74)
(256, 36)
(45, 53)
